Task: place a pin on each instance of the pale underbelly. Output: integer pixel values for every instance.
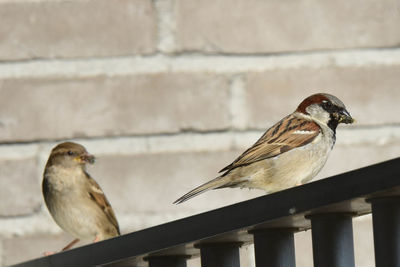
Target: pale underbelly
(77, 219)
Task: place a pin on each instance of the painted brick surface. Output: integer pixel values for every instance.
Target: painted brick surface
(370, 93)
(275, 26)
(33, 247)
(19, 187)
(64, 108)
(66, 29)
(152, 182)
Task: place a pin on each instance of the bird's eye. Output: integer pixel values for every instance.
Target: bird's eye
(70, 153)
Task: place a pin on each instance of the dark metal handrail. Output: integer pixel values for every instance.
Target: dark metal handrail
(326, 206)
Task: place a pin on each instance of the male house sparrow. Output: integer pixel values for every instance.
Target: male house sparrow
(74, 199)
(290, 153)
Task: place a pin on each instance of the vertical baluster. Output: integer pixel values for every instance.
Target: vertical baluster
(274, 247)
(167, 261)
(220, 254)
(386, 225)
(332, 238)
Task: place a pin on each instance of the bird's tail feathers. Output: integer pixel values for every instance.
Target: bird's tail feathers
(219, 182)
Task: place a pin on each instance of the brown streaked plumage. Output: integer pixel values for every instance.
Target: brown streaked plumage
(291, 152)
(74, 199)
(278, 139)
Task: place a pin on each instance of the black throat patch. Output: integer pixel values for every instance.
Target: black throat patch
(333, 120)
(333, 123)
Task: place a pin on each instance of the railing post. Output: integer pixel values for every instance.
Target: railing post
(274, 247)
(332, 240)
(167, 261)
(386, 225)
(224, 254)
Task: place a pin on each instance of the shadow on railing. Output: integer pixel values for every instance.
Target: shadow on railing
(326, 206)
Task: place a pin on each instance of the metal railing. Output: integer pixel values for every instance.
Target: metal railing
(326, 207)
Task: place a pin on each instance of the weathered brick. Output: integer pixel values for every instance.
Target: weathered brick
(34, 109)
(193, 262)
(363, 241)
(20, 189)
(303, 246)
(346, 158)
(65, 29)
(20, 249)
(254, 26)
(150, 183)
(370, 93)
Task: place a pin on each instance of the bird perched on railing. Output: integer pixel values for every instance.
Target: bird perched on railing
(290, 153)
(74, 199)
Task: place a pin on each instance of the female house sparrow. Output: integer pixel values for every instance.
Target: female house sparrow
(290, 153)
(74, 199)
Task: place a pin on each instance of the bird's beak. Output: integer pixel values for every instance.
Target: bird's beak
(344, 117)
(86, 158)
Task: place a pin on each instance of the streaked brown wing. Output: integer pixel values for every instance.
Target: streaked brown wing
(285, 135)
(98, 196)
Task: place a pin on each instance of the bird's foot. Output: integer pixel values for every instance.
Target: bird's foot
(48, 253)
(71, 244)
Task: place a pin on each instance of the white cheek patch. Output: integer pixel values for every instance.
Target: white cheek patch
(303, 132)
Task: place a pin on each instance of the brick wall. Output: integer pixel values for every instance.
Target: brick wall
(167, 92)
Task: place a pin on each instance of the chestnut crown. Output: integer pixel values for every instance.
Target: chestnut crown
(325, 108)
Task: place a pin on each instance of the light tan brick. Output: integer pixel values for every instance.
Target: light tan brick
(20, 249)
(254, 26)
(363, 241)
(20, 189)
(346, 158)
(159, 103)
(65, 29)
(150, 183)
(194, 262)
(370, 93)
(303, 248)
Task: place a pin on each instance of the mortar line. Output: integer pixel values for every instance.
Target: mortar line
(190, 142)
(166, 26)
(188, 53)
(137, 65)
(237, 102)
